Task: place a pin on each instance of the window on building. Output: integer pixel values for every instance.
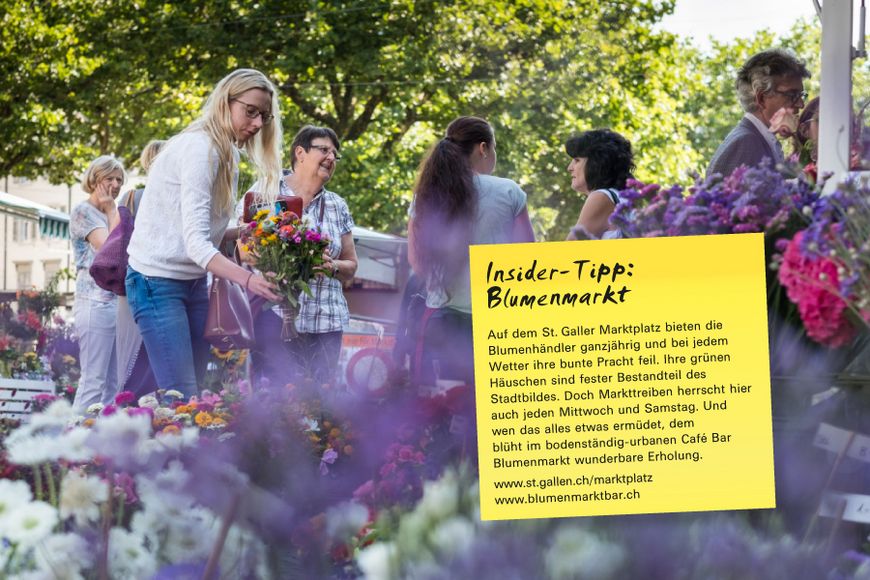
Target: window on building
(22, 230)
(23, 272)
(51, 268)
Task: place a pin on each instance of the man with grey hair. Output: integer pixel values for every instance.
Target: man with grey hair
(769, 81)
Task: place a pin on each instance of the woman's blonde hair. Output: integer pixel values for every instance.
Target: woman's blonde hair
(149, 153)
(100, 168)
(264, 149)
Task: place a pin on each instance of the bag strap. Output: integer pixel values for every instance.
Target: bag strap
(322, 209)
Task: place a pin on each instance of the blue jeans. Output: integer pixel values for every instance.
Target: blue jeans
(171, 316)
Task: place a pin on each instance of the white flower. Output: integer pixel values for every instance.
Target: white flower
(307, 221)
(12, 495)
(128, 557)
(163, 413)
(308, 423)
(64, 555)
(95, 409)
(73, 445)
(440, 498)
(187, 437)
(346, 519)
(149, 401)
(577, 551)
(29, 523)
(191, 537)
(28, 448)
(453, 536)
(120, 436)
(58, 414)
(80, 497)
(379, 561)
(174, 394)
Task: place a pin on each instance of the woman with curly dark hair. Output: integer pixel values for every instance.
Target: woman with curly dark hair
(457, 202)
(601, 163)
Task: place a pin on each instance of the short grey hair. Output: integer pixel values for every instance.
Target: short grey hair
(763, 70)
(99, 168)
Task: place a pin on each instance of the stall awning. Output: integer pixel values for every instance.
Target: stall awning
(380, 255)
(52, 223)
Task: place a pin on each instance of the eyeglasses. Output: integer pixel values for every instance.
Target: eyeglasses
(794, 95)
(327, 150)
(252, 112)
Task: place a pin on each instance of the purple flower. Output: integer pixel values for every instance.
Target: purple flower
(329, 457)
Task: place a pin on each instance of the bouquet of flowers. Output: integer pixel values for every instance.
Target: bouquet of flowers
(289, 250)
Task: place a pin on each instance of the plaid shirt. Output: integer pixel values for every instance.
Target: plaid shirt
(327, 310)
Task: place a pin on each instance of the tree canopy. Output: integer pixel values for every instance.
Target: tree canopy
(88, 78)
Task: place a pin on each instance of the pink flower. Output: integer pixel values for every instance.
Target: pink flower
(124, 398)
(812, 285)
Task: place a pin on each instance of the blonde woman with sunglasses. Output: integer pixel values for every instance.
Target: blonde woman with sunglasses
(188, 200)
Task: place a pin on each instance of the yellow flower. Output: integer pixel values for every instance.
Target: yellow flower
(183, 409)
(218, 421)
(203, 419)
(261, 214)
(264, 242)
(273, 238)
(88, 422)
(171, 430)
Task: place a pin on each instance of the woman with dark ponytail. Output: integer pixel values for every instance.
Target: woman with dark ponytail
(457, 202)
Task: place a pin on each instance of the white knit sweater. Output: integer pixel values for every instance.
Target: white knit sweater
(177, 229)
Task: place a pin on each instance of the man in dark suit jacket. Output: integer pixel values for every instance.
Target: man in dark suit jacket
(769, 81)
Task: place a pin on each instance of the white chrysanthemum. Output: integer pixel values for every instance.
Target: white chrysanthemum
(164, 491)
(29, 523)
(192, 537)
(379, 561)
(64, 555)
(95, 409)
(81, 496)
(174, 394)
(128, 557)
(12, 495)
(453, 536)
(58, 414)
(149, 401)
(576, 551)
(120, 436)
(73, 446)
(244, 554)
(28, 448)
(346, 519)
(187, 437)
(440, 498)
(163, 413)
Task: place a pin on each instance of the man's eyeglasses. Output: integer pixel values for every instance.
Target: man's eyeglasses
(327, 150)
(794, 95)
(252, 112)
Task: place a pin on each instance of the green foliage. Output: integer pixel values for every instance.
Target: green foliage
(86, 78)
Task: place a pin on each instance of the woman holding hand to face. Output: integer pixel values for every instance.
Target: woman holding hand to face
(95, 309)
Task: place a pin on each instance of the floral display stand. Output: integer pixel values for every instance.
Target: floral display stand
(16, 395)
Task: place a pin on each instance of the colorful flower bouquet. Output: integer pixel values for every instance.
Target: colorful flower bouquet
(289, 250)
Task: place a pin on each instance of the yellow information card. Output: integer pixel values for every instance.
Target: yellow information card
(622, 376)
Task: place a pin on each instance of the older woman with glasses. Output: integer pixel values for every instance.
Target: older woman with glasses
(313, 354)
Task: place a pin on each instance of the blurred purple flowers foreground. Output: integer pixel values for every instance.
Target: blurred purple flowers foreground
(306, 481)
